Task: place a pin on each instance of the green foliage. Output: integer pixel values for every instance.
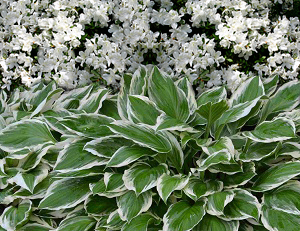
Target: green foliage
(152, 157)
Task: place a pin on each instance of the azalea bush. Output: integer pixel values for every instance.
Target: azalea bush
(152, 157)
(212, 42)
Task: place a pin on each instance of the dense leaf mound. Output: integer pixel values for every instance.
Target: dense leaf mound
(152, 157)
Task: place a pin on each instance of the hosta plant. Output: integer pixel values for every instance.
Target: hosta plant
(152, 157)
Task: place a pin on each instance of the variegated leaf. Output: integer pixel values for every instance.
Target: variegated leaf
(182, 216)
(249, 90)
(130, 205)
(88, 125)
(167, 184)
(126, 155)
(77, 223)
(217, 202)
(213, 95)
(14, 218)
(213, 223)
(141, 134)
(25, 134)
(278, 129)
(276, 176)
(64, 193)
(73, 157)
(167, 96)
(142, 177)
(197, 188)
(142, 110)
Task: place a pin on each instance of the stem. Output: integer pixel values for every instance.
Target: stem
(219, 131)
(207, 130)
(246, 147)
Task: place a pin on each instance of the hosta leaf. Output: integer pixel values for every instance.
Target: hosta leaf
(131, 205)
(123, 96)
(244, 205)
(182, 216)
(212, 111)
(290, 148)
(13, 218)
(110, 109)
(258, 151)
(213, 223)
(142, 177)
(270, 84)
(141, 134)
(126, 155)
(88, 125)
(73, 157)
(138, 85)
(237, 112)
(217, 202)
(286, 98)
(25, 134)
(216, 158)
(34, 157)
(67, 99)
(223, 144)
(293, 115)
(249, 90)
(99, 206)
(197, 188)
(231, 168)
(168, 123)
(28, 180)
(175, 156)
(213, 95)
(167, 184)
(285, 198)
(77, 223)
(64, 193)
(240, 178)
(278, 220)
(114, 182)
(106, 147)
(278, 129)
(139, 223)
(142, 110)
(187, 88)
(114, 221)
(94, 171)
(167, 96)
(94, 102)
(46, 104)
(276, 176)
(35, 227)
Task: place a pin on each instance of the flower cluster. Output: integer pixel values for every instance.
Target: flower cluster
(206, 40)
